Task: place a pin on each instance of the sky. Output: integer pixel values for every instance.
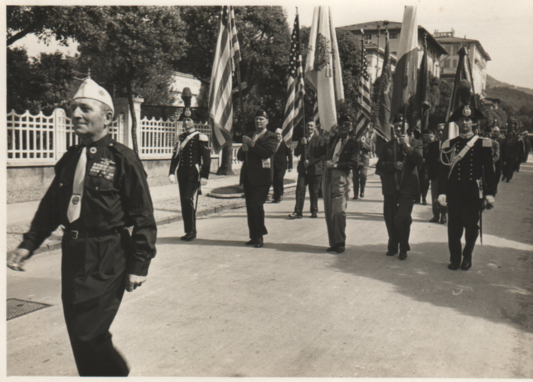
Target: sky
(504, 28)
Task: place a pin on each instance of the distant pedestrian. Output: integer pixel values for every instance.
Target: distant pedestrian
(466, 184)
(359, 174)
(342, 154)
(192, 158)
(423, 169)
(282, 164)
(257, 154)
(310, 170)
(398, 169)
(99, 190)
(433, 164)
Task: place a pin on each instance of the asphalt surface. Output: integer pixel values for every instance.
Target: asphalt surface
(216, 308)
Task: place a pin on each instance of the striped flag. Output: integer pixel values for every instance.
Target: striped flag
(316, 116)
(385, 96)
(227, 55)
(365, 103)
(294, 109)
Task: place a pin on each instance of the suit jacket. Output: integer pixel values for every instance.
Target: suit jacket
(432, 159)
(411, 158)
(316, 165)
(258, 166)
(283, 157)
(349, 157)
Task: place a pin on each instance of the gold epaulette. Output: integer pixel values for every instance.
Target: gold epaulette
(204, 138)
(446, 144)
(487, 142)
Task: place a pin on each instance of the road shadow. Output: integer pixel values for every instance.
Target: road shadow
(497, 288)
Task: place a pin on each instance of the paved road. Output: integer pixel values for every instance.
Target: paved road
(214, 307)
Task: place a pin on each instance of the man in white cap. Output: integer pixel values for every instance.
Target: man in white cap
(282, 163)
(98, 191)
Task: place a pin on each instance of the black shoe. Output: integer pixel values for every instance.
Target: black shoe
(434, 219)
(340, 248)
(189, 236)
(251, 242)
(466, 265)
(259, 243)
(356, 197)
(362, 195)
(453, 266)
(403, 255)
(295, 215)
(332, 249)
(443, 219)
(424, 202)
(314, 215)
(391, 253)
(276, 201)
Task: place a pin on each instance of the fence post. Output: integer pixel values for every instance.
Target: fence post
(137, 102)
(60, 131)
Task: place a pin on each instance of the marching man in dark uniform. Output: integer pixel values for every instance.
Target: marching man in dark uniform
(309, 172)
(433, 165)
(192, 158)
(360, 172)
(282, 163)
(342, 155)
(257, 151)
(398, 169)
(99, 189)
(466, 182)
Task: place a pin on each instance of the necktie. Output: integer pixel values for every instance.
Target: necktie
(74, 207)
(337, 153)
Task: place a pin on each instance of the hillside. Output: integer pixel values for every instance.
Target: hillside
(512, 99)
(494, 83)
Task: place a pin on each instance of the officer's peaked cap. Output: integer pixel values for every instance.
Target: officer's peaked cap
(90, 89)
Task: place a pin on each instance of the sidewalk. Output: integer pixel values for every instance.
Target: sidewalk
(166, 208)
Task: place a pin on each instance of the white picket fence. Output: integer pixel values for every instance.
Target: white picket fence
(39, 140)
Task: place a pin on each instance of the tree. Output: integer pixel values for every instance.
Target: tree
(131, 48)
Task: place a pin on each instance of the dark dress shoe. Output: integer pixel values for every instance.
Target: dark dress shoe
(189, 236)
(466, 265)
(276, 201)
(403, 255)
(332, 249)
(434, 219)
(259, 243)
(356, 197)
(295, 215)
(424, 202)
(251, 242)
(453, 266)
(443, 219)
(314, 215)
(340, 248)
(389, 253)
(362, 195)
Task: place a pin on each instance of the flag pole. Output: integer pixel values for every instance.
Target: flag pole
(303, 76)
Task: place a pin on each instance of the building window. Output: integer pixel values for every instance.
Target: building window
(367, 37)
(393, 36)
(454, 64)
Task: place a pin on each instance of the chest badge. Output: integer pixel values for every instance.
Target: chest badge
(92, 150)
(105, 169)
(75, 200)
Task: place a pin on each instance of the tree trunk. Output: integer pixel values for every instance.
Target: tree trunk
(225, 162)
(133, 119)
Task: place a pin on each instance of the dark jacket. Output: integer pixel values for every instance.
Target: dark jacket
(467, 175)
(432, 159)
(258, 167)
(408, 177)
(349, 157)
(283, 157)
(316, 165)
(196, 153)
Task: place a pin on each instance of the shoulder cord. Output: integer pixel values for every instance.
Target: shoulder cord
(447, 156)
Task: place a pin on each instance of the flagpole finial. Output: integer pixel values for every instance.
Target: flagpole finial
(296, 10)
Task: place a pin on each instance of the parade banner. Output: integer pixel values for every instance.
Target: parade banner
(422, 94)
(364, 101)
(220, 92)
(294, 108)
(383, 120)
(405, 76)
(323, 68)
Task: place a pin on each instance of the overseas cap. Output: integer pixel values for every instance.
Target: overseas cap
(345, 118)
(90, 89)
(261, 113)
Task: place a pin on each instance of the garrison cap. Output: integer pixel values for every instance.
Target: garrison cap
(345, 118)
(90, 89)
(261, 113)
(466, 111)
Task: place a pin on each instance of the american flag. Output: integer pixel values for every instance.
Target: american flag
(365, 103)
(294, 109)
(316, 116)
(227, 55)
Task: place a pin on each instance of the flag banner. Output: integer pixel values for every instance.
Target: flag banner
(364, 113)
(294, 108)
(405, 76)
(220, 91)
(323, 68)
(422, 94)
(382, 126)
(463, 72)
(316, 117)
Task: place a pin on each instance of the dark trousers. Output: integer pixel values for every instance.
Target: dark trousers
(188, 183)
(93, 284)
(397, 210)
(277, 183)
(255, 197)
(498, 173)
(509, 168)
(304, 181)
(463, 215)
(359, 179)
(437, 209)
(424, 182)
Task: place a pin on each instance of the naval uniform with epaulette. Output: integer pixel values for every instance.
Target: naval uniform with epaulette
(470, 180)
(98, 251)
(192, 158)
